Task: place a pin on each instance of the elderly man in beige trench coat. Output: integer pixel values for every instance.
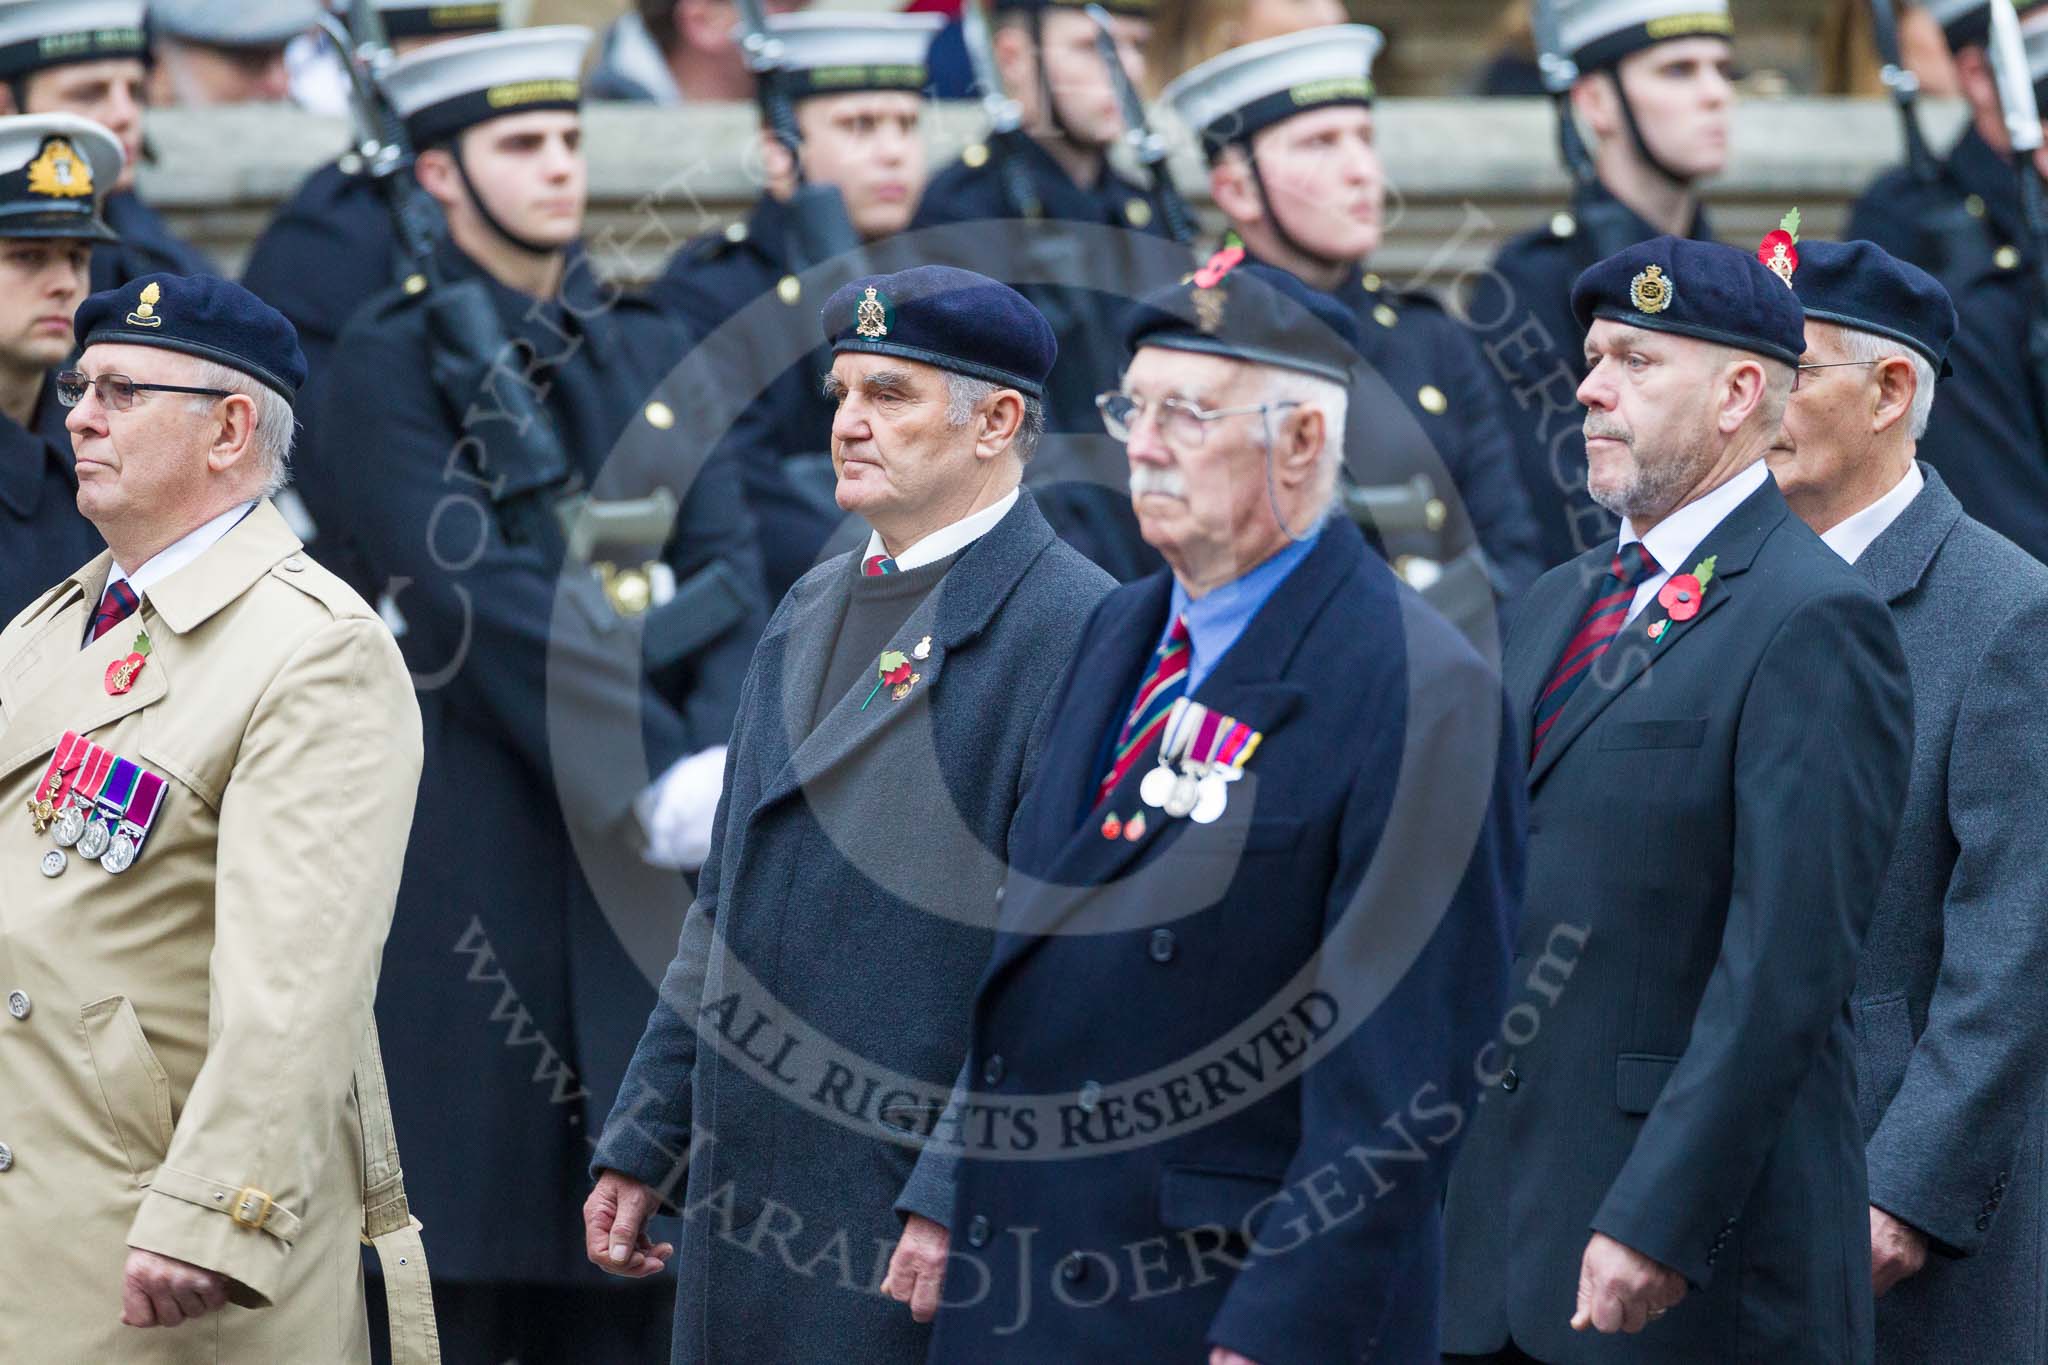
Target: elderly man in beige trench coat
(209, 749)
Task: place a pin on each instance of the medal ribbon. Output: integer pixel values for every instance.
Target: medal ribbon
(1205, 739)
(142, 808)
(1235, 747)
(1180, 728)
(92, 774)
(57, 778)
(118, 792)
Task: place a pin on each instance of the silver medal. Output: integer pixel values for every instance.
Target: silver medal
(70, 826)
(1187, 790)
(1210, 804)
(94, 841)
(53, 863)
(1157, 786)
(120, 855)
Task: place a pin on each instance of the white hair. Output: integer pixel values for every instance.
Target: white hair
(1868, 347)
(964, 394)
(1331, 399)
(276, 426)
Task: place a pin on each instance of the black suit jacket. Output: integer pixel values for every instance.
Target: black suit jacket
(1709, 823)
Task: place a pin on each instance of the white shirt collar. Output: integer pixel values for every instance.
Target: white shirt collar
(947, 539)
(180, 552)
(1853, 536)
(1672, 541)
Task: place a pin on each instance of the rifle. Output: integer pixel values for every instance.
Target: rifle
(1606, 221)
(1146, 144)
(2008, 52)
(822, 229)
(1905, 88)
(1005, 116)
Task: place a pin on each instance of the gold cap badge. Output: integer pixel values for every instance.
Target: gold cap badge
(872, 318)
(1650, 291)
(145, 311)
(59, 172)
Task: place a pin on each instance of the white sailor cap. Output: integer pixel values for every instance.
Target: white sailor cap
(842, 53)
(55, 171)
(233, 23)
(1231, 98)
(441, 90)
(1597, 34)
(435, 18)
(39, 33)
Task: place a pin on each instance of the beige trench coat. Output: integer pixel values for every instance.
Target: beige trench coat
(179, 1041)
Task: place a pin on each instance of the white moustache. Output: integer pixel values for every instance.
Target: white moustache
(1147, 478)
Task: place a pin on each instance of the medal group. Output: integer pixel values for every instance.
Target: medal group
(95, 804)
(1211, 749)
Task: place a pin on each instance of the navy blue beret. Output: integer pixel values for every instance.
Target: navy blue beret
(1253, 312)
(954, 319)
(1861, 285)
(1696, 289)
(201, 315)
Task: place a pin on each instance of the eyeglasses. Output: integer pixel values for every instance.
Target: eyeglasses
(116, 391)
(1799, 371)
(1181, 423)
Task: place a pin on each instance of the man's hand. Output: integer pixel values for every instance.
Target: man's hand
(1898, 1251)
(1223, 1356)
(1622, 1290)
(157, 1291)
(614, 1219)
(917, 1270)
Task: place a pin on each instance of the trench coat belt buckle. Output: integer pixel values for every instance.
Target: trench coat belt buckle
(251, 1208)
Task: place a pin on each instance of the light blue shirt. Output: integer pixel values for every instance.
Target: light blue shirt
(1217, 619)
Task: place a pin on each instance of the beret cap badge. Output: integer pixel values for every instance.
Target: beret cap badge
(872, 317)
(145, 310)
(1650, 291)
(60, 172)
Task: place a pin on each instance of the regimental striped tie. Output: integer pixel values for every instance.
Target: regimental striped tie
(116, 606)
(1167, 685)
(1632, 568)
(874, 566)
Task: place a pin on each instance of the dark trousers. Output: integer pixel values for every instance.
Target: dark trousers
(511, 1324)
(1511, 1355)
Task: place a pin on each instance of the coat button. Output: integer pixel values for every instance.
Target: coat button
(999, 895)
(1983, 1220)
(6, 1157)
(992, 1070)
(1164, 945)
(18, 1004)
(1509, 1079)
(1090, 1097)
(1711, 1255)
(1073, 1267)
(295, 565)
(977, 1231)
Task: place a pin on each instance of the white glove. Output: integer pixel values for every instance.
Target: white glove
(677, 811)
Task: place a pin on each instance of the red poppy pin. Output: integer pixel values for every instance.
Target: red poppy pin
(1221, 264)
(122, 672)
(894, 668)
(1780, 249)
(1681, 595)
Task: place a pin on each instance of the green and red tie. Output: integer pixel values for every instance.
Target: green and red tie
(875, 566)
(1631, 568)
(1167, 685)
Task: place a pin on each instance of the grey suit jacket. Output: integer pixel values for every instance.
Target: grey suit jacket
(817, 1008)
(1951, 1026)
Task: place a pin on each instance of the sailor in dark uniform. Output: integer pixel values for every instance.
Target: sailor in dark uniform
(332, 245)
(1654, 89)
(532, 823)
(54, 174)
(86, 57)
(1288, 125)
(1989, 427)
(1046, 57)
(857, 81)
(1968, 216)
